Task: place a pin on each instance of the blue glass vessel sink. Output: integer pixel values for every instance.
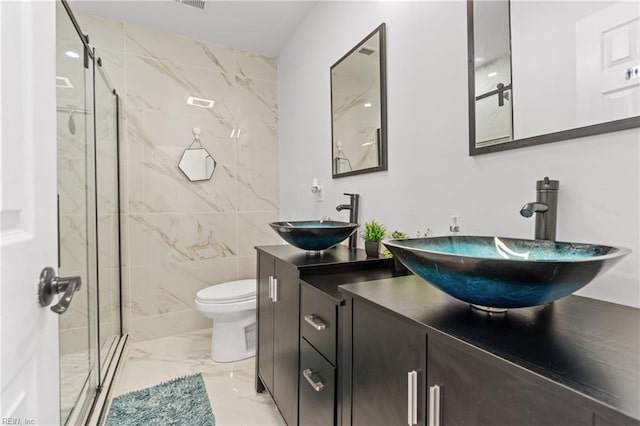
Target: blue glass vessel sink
(314, 235)
(495, 274)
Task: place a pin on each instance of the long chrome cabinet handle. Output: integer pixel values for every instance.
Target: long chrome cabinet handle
(274, 298)
(315, 321)
(412, 399)
(271, 287)
(317, 385)
(434, 405)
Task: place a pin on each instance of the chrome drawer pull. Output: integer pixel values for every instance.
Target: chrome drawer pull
(316, 385)
(315, 322)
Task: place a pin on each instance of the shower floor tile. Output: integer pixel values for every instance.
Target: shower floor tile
(230, 386)
(74, 370)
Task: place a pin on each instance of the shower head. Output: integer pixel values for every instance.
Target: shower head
(72, 123)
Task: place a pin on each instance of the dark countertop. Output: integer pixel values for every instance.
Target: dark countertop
(333, 267)
(339, 256)
(588, 345)
(328, 283)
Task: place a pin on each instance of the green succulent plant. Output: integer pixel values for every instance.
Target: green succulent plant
(373, 232)
(398, 235)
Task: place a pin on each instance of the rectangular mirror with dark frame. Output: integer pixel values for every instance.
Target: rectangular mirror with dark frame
(547, 71)
(359, 108)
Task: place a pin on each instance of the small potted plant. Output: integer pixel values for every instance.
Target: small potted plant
(398, 235)
(395, 235)
(373, 234)
(397, 265)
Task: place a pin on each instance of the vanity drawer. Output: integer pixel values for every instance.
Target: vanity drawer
(318, 321)
(317, 388)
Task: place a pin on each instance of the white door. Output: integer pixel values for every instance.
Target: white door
(607, 48)
(28, 241)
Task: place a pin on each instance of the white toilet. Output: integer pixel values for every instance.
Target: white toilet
(232, 307)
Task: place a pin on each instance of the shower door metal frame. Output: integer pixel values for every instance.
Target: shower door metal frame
(114, 92)
(89, 408)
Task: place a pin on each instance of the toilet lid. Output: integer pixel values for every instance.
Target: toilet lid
(233, 291)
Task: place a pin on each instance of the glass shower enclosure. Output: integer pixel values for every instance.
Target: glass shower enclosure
(88, 218)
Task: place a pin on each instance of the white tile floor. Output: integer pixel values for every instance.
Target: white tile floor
(230, 386)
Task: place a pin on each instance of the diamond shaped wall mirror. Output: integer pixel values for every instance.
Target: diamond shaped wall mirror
(196, 163)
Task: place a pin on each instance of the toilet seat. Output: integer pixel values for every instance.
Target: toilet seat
(230, 292)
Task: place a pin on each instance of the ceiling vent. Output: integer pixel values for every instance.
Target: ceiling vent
(366, 51)
(199, 4)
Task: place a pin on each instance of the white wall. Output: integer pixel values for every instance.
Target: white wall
(431, 176)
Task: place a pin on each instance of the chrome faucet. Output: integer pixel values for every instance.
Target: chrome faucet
(354, 201)
(546, 209)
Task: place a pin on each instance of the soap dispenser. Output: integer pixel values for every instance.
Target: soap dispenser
(454, 228)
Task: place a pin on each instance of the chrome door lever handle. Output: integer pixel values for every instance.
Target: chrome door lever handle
(69, 285)
(50, 285)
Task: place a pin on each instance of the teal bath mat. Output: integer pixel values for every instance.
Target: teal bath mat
(181, 401)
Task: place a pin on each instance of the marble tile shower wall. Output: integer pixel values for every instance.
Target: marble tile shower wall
(73, 126)
(353, 122)
(74, 332)
(181, 236)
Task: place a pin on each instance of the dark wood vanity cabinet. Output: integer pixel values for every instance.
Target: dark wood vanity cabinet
(574, 362)
(388, 368)
(319, 326)
(397, 351)
(477, 389)
(319, 321)
(277, 358)
(317, 387)
(298, 355)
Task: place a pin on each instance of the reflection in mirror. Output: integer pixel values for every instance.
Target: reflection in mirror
(547, 71)
(197, 164)
(341, 162)
(358, 108)
(492, 64)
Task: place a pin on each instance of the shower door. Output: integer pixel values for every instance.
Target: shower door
(88, 218)
(77, 233)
